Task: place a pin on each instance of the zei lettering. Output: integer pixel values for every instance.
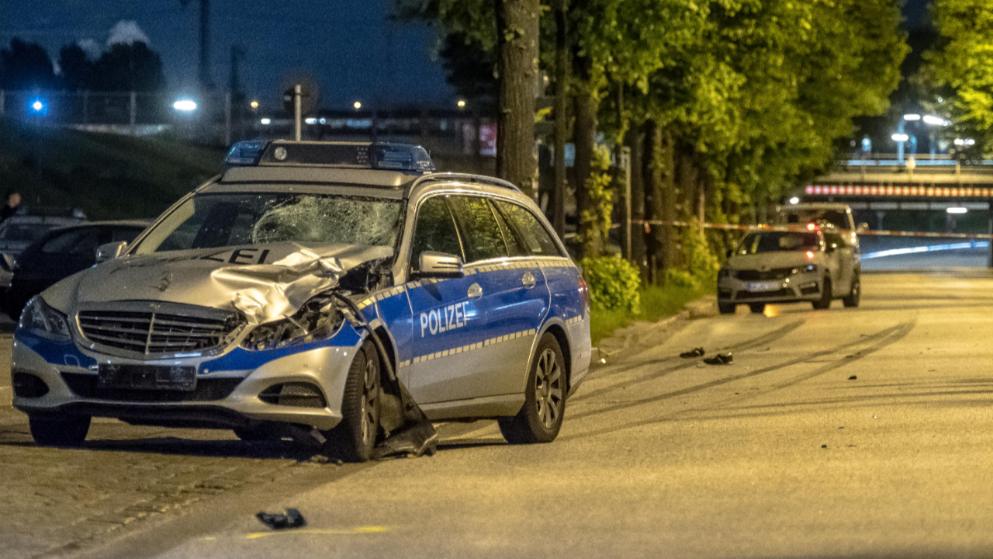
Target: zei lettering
(443, 319)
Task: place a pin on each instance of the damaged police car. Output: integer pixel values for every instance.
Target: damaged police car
(342, 290)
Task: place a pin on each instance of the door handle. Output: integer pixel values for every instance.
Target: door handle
(528, 280)
(475, 291)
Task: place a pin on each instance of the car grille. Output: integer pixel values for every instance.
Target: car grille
(763, 294)
(207, 390)
(152, 329)
(757, 275)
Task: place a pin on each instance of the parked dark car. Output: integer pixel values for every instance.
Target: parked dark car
(61, 253)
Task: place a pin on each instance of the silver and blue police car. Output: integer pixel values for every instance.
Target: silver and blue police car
(290, 289)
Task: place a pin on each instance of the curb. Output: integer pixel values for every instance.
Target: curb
(639, 333)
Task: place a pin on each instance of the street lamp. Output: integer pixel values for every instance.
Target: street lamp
(265, 121)
(461, 104)
(254, 104)
(38, 106)
(899, 137)
(185, 105)
(357, 105)
(932, 120)
(794, 200)
(911, 117)
(957, 210)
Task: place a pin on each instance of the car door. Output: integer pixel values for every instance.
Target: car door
(514, 295)
(447, 316)
(840, 255)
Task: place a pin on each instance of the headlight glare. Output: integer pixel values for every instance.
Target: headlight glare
(317, 319)
(41, 319)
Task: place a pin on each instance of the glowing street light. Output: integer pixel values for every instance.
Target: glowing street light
(957, 210)
(254, 104)
(185, 105)
(794, 201)
(932, 120)
(37, 106)
(461, 104)
(265, 121)
(964, 142)
(899, 137)
(911, 117)
(357, 105)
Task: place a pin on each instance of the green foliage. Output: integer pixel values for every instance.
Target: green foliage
(613, 283)
(701, 262)
(962, 65)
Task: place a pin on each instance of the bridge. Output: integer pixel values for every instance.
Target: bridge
(931, 195)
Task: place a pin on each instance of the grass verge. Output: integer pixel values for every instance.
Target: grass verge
(656, 303)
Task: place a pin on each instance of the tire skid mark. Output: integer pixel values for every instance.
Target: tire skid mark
(763, 339)
(862, 340)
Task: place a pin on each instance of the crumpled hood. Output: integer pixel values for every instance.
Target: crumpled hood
(769, 260)
(264, 282)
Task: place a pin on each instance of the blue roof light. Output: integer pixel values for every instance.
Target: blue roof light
(247, 152)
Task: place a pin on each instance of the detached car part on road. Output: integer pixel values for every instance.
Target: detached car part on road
(337, 287)
(785, 266)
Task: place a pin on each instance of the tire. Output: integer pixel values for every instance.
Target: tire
(355, 437)
(545, 395)
(725, 308)
(59, 430)
(757, 308)
(825, 301)
(855, 295)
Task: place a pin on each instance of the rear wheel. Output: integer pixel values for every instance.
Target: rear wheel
(355, 437)
(725, 308)
(59, 430)
(855, 295)
(757, 308)
(825, 301)
(540, 419)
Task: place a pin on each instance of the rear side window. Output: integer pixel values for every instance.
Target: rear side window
(76, 242)
(483, 236)
(435, 229)
(532, 234)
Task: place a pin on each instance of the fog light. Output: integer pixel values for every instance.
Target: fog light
(301, 394)
(27, 385)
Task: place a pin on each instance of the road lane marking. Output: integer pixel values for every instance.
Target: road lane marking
(358, 530)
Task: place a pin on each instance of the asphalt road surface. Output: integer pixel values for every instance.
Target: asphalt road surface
(849, 432)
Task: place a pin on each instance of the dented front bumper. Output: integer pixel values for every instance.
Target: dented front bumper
(301, 384)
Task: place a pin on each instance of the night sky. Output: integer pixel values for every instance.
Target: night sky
(351, 47)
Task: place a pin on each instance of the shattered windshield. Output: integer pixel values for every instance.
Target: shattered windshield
(221, 220)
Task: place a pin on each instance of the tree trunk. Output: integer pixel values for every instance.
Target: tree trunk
(635, 140)
(517, 33)
(561, 116)
(659, 201)
(584, 137)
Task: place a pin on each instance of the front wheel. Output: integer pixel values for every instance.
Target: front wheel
(59, 430)
(725, 308)
(757, 308)
(540, 419)
(855, 295)
(355, 437)
(825, 301)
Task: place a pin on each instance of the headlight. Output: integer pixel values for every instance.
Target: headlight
(805, 269)
(317, 319)
(38, 318)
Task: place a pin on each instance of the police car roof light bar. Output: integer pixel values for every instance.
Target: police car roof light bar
(406, 158)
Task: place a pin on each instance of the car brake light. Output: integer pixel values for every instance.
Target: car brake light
(584, 291)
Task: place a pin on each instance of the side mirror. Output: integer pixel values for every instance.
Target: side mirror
(864, 226)
(432, 264)
(110, 251)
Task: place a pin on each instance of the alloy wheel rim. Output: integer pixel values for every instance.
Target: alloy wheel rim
(548, 388)
(370, 395)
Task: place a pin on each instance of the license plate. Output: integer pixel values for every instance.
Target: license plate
(147, 377)
(764, 286)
